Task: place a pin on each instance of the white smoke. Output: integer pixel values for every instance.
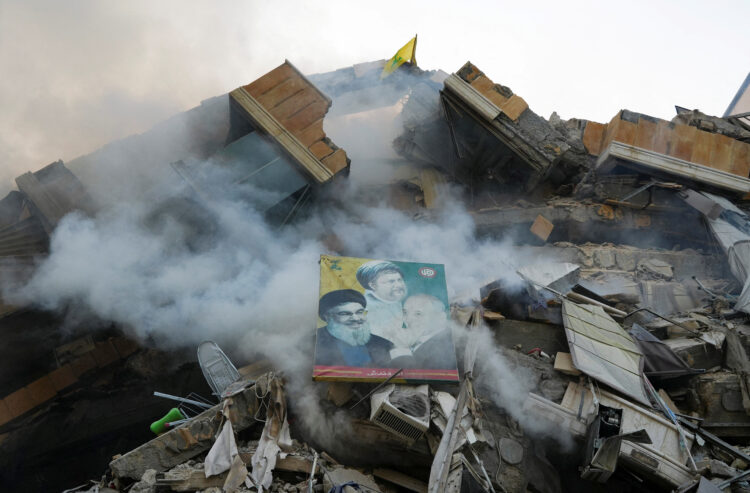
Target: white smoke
(249, 286)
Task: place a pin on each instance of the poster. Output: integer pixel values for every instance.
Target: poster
(376, 317)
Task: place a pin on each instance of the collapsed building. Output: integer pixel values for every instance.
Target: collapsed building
(624, 315)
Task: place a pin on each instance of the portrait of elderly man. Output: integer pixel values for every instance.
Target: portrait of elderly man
(346, 339)
(425, 316)
(385, 289)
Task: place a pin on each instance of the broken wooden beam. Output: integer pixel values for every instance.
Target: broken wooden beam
(188, 440)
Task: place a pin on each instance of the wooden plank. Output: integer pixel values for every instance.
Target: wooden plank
(41, 390)
(5, 414)
(682, 142)
(542, 227)
(311, 134)
(62, 377)
(270, 80)
(283, 136)
(593, 135)
(564, 364)
(292, 463)
(124, 346)
(702, 144)
(645, 134)
(401, 479)
(336, 161)
(295, 104)
(82, 364)
(321, 149)
(19, 402)
(105, 353)
(305, 117)
(277, 95)
(73, 349)
(514, 107)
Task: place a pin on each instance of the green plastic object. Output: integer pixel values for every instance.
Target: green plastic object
(159, 427)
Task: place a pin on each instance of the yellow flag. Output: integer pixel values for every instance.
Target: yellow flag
(407, 53)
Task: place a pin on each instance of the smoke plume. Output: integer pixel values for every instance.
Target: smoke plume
(230, 277)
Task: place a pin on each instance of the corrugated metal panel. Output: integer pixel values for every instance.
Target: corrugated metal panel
(602, 349)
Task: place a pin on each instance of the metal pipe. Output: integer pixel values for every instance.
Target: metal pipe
(670, 414)
(710, 437)
(481, 465)
(182, 399)
(175, 423)
(646, 309)
(585, 299)
(381, 384)
(704, 288)
(577, 297)
(312, 474)
(729, 481)
(688, 417)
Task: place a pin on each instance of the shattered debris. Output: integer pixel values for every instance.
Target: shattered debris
(607, 343)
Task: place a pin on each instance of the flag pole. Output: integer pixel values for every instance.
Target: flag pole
(414, 51)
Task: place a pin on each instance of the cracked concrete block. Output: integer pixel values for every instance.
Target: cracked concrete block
(511, 451)
(586, 259)
(625, 260)
(655, 268)
(604, 258)
(696, 353)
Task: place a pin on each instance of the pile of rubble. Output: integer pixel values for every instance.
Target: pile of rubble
(631, 327)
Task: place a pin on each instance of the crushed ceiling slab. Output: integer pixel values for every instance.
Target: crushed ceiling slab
(286, 106)
(667, 149)
(495, 131)
(189, 439)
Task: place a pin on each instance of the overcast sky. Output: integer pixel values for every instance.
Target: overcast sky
(75, 75)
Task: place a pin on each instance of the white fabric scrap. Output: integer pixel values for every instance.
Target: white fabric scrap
(219, 458)
(224, 456)
(265, 456)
